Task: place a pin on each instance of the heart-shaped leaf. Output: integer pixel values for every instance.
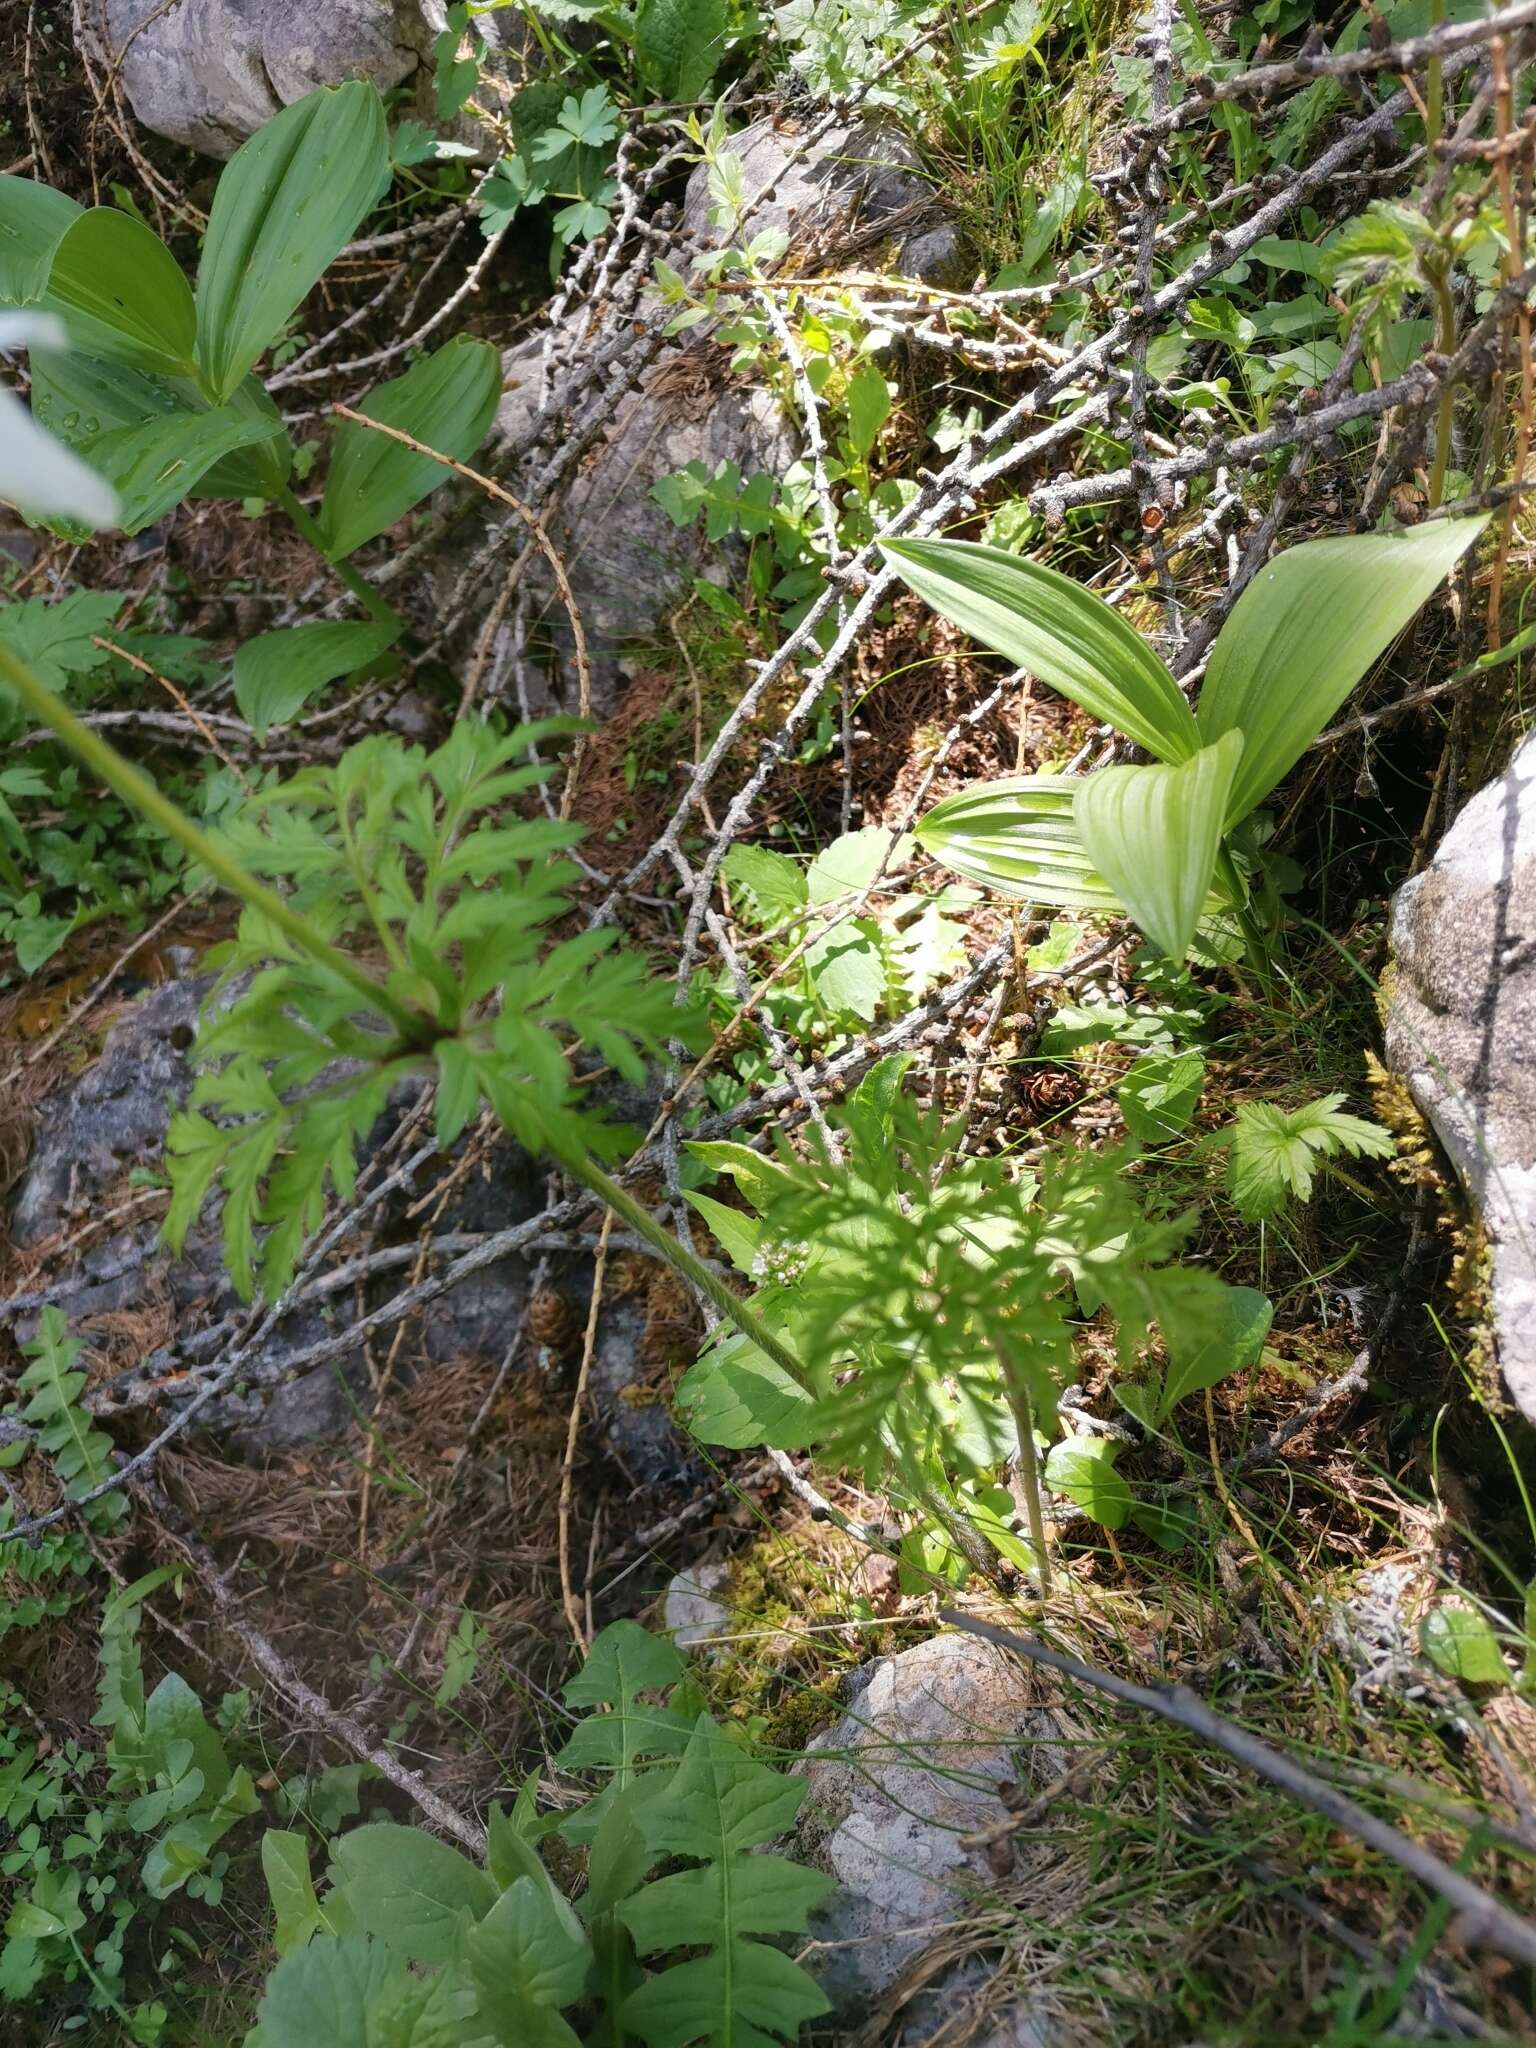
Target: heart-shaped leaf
(1303, 634)
(286, 205)
(1154, 833)
(1058, 631)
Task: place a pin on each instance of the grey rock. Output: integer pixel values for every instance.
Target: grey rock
(916, 1764)
(1461, 1030)
(113, 1117)
(208, 73)
(626, 560)
(858, 193)
(691, 1613)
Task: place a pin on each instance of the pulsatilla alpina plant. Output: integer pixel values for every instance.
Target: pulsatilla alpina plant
(159, 391)
(1163, 842)
(411, 855)
(934, 1303)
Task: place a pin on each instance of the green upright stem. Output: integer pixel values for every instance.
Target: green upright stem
(136, 789)
(359, 585)
(677, 1254)
(1028, 1462)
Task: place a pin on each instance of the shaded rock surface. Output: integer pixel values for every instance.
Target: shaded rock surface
(919, 1762)
(112, 1117)
(208, 73)
(1461, 1030)
(692, 1613)
(857, 197)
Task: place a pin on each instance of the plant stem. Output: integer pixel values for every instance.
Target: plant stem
(1029, 1461)
(1445, 342)
(137, 790)
(677, 1255)
(359, 585)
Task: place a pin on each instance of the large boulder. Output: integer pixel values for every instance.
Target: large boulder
(208, 73)
(1461, 1030)
(919, 1763)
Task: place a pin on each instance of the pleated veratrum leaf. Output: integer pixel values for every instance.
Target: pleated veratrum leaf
(1017, 835)
(32, 219)
(447, 400)
(1154, 834)
(286, 205)
(1058, 631)
(122, 294)
(154, 465)
(1306, 630)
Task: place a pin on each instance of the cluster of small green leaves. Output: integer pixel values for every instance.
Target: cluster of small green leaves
(101, 1841)
(785, 514)
(160, 394)
(925, 1292)
(410, 1941)
(70, 856)
(410, 854)
(854, 969)
(46, 1575)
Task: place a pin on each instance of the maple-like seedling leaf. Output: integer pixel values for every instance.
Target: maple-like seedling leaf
(1276, 1152)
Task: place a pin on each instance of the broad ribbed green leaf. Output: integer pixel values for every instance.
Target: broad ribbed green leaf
(122, 294)
(1017, 835)
(287, 204)
(260, 469)
(1154, 834)
(277, 673)
(447, 400)
(1058, 631)
(33, 217)
(1306, 630)
(154, 465)
(79, 399)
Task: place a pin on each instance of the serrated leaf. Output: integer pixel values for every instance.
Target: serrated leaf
(447, 401)
(1305, 632)
(286, 205)
(678, 44)
(527, 1958)
(57, 640)
(277, 673)
(1276, 1152)
(1059, 631)
(737, 1398)
(1154, 833)
(774, 884)
(323, 1995)
(408, 1888)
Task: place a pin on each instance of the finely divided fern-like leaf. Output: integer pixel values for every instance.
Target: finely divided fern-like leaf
(1275, 1152)
(717, 1810)
(81, 1453)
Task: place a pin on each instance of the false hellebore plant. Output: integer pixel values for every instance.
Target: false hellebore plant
(1173, 844)
(159, 393)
